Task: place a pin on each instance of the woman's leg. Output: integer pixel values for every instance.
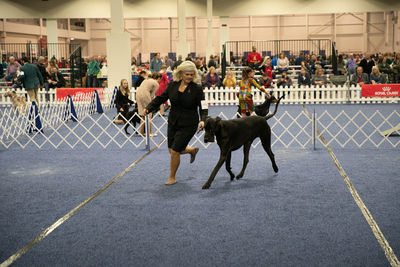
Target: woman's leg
(176, 160)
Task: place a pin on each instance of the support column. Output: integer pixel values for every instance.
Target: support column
(210, 36)
(182, 47)
(365, 33)
(118, 44)
(224, 36)
(52, 38)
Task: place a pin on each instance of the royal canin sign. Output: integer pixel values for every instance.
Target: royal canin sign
(380, 90)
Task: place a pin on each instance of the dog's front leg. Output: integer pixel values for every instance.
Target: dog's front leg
(221, 161)
(228, 165)
(246, 150)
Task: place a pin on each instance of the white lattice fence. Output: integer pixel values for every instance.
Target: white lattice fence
(289, 130)
(359, 129)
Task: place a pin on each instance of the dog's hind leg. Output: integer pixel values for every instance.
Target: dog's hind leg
(221, 161)
(266, 143)
(246, 150)
(228, 165)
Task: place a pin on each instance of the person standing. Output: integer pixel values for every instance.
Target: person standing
(144, 94)
(183, 121)
(156, 63)
(162, 86)
(93, 70)
(245, 97)
(31, 79)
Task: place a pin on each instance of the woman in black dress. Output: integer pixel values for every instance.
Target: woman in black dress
(122, 101)
(183, 121)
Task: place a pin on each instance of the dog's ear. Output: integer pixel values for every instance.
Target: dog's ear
(217, 125)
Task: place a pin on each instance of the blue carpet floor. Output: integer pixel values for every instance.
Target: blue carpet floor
(302, 216)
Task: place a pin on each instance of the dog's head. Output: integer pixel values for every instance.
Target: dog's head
(10, 94)
(212, 126)
(263, 109)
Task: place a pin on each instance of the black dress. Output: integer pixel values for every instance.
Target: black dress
(122, 101)
(183, 119)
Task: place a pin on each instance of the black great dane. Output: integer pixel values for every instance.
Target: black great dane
(232, 134)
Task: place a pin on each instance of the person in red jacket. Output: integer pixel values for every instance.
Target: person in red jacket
(254, 59)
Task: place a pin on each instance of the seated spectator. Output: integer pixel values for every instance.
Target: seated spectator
(282, 63)
(299, 59)
(316, 63)
(212, 62)
(12, 68)
(17, 83)
(340, 79)
(284, 80)
(212, 78)
(359, 78)
(274, 61)
(1, 71)
(304, 78)
(376, 77)
(265, 81)
(269, 69)
(54, 80)
(305, 65)
(229, 81)
(141, 78)
(319, 78)
(254, 59)
(396, 69)
(351, 65)
(367, 63)
(384, 66)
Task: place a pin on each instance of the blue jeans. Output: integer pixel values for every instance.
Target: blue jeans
(91, 81)
(9, 77)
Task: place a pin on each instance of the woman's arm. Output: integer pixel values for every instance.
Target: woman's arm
(156, 102)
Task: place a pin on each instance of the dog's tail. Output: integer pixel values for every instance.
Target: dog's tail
(276, 108)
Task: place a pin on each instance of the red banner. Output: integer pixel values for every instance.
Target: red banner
(81, 93)
(380, 90)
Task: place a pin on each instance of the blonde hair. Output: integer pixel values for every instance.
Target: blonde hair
(378, 72)
(125, 91)
(185, 66)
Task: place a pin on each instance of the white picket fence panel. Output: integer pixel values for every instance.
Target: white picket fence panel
(227, 96)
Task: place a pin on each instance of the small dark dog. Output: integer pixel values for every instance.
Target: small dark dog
(233, 134)
(262, 109)
(131, 117)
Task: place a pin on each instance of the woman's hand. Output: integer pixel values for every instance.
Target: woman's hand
(121, 109)
(145, 111)
(201, 125)
(268, 94)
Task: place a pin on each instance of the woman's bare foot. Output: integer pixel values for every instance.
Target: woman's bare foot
(193, 154)
(170, 181)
